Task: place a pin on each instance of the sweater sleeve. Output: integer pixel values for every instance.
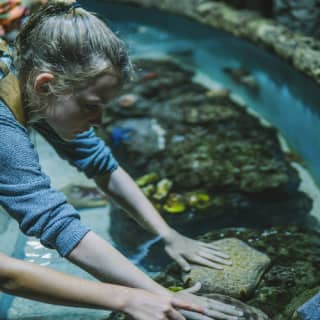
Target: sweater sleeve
(87, 152)
(26, 193)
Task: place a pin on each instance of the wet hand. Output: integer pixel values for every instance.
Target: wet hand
(212, 309)
(183, 249)
(144, 305)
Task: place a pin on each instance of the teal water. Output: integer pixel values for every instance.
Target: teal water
(288, 99)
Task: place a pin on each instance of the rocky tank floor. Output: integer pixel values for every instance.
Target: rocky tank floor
(209, 165)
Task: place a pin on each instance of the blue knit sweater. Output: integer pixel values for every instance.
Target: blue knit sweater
(25, 191)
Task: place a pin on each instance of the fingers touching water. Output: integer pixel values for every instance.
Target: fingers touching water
(213, 309)
(144, 305)
(184, 250)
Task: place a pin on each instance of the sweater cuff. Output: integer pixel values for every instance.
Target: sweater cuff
(70, 236)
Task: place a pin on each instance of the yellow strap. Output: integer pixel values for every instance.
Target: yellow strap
(3, 46)
(10, 91)
(4, 68)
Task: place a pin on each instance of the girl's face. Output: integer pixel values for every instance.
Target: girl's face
(72, 114)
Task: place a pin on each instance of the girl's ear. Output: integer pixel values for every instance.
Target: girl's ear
(42, 81)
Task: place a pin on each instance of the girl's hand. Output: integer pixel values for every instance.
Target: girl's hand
(212, 309)
(183, 249)
(144, 305)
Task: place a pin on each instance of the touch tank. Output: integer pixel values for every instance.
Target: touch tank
(220, 129)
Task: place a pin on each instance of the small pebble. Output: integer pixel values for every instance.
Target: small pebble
(127, 100)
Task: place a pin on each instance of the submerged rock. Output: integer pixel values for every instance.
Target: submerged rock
(238, 280)
(250, 313)
(308, 59)
(225, 160)
(295, 257)
(243, 77)
(128, 100)
(84, 197)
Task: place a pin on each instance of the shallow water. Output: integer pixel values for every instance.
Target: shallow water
(287, 99)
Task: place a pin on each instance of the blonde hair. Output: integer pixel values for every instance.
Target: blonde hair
(72, 44)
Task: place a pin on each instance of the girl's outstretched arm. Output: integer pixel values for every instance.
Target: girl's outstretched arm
(107, 264)
(125, 191)
(31, 281)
